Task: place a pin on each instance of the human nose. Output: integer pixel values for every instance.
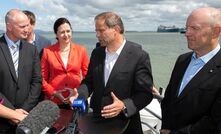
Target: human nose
(26, 29)
(65, 34)
(97, 34)
(188, 32)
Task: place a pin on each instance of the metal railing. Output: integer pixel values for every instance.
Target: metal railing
(159, 98)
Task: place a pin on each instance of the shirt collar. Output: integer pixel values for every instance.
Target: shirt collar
(10, 42)
(205, 58)
(119, 49)
(33, 39)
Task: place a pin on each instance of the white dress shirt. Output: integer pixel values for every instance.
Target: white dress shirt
(110, 60)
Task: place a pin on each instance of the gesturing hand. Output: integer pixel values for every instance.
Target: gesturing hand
(113, 109)
(59, 95)
(164, 131)
(74, 96)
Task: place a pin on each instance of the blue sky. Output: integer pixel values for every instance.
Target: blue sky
(139, 15)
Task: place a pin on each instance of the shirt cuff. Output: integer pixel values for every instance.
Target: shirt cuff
(1, 101)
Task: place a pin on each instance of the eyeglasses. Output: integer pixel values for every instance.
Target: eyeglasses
(196, 28)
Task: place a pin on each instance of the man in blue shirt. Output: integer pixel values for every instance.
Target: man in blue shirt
(20, 71)
(192, 102)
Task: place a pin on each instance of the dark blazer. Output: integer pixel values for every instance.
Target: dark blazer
(41, 42)
(130, 80)
(197, 110)
(23, 92)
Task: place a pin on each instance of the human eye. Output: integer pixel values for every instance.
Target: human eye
(97, 30)
(61, 32)
(195, 28)
(68, 31)
(23, 26)
(100, 30)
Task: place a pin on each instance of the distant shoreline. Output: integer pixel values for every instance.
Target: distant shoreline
(49, 32)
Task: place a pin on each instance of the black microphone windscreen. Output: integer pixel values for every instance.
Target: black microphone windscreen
(43, 116)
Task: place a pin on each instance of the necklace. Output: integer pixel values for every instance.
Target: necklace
(64, 49)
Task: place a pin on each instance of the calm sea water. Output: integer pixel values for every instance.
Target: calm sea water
(163, 49)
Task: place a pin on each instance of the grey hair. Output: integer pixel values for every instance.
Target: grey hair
(215, 16)
(111, 19)
(9, 17)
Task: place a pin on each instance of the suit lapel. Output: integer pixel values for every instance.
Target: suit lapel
(209, 69)
(179, 73)
(101, 66)
(22, 57)
(71, 56)
(120, 63)
(57, 55)
(8, 57)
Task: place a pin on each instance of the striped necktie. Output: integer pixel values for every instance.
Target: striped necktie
(15, 57)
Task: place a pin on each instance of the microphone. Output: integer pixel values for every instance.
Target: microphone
(79, 107)
(40, 119)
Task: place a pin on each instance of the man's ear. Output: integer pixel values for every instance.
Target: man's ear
(117, 28)
(9, 26)
(217, 31)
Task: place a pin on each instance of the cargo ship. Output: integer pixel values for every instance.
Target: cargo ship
(163, 28)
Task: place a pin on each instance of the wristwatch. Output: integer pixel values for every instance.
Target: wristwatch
(124, 110)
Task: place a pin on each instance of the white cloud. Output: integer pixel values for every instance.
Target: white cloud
(136, 14)
(46, 6)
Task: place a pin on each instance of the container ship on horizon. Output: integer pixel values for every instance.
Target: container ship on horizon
(163, 28)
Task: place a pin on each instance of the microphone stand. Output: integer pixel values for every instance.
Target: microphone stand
(72, 127)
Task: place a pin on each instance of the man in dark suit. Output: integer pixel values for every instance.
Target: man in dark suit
(192, 102)
(20, 72)
(119, 75)
(34, 38)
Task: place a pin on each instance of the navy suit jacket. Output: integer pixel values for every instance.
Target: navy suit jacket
(197, 110)
(130, 80)
(22, 92)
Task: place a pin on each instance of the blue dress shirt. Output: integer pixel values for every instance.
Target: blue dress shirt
(196, 64)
